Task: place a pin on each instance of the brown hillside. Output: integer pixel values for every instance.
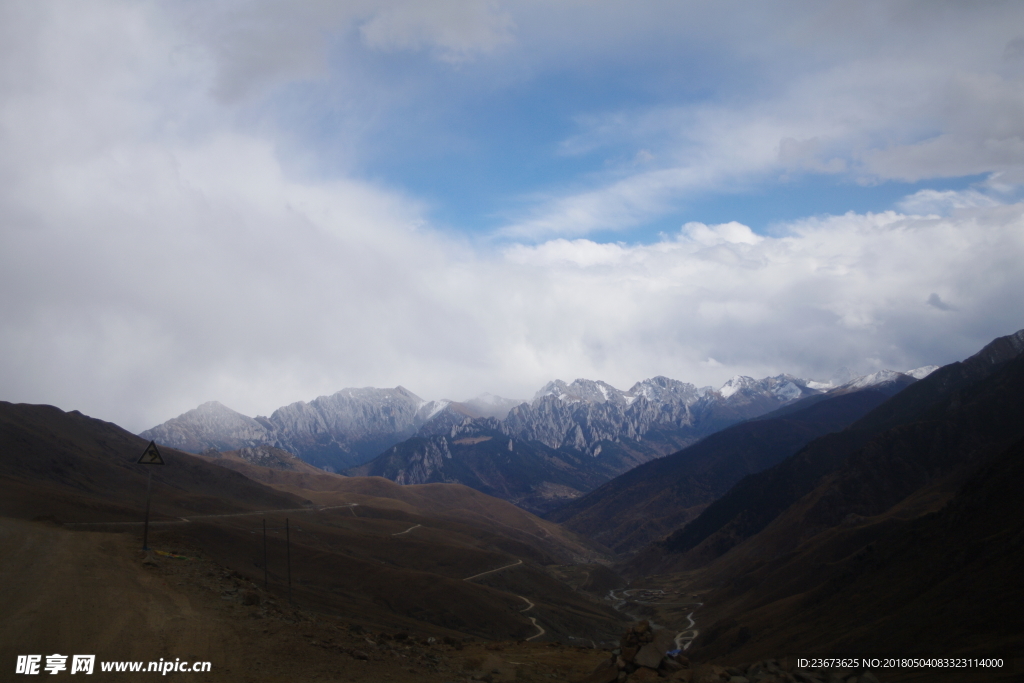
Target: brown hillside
(436, 559)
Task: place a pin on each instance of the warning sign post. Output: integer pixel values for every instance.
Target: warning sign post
(150, 456)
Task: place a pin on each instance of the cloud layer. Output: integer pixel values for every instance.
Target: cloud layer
(166, 238)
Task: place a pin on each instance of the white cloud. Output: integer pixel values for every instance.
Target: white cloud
(924, 202)
(730, 233)
(155, 252)
(822, 296)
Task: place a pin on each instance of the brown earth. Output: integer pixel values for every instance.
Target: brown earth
(78, 592)
(366, 557)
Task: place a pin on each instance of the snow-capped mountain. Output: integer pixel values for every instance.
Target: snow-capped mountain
(581, 415)
(331, 432)
(574, 436)
(211, 425)
(882, 377)
(652, 418)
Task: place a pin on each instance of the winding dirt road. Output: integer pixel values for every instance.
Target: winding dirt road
(533, 620)
(508, 566)
(529, 605)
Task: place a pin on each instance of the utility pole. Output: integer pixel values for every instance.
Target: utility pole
(150, 456)
(145, 526)
(288, 553)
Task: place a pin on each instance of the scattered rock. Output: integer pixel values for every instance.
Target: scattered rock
(650, 655)
(642, 675)
(606, 672)
(670, 665)
(706, 673)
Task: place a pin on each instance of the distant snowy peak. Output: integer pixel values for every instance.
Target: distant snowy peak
(661, 389)
(212, 424)
(873, 379)
(884, 376)
(371, 393)
(736, 384)
(783, 387)
(922, 372)
(582, 390)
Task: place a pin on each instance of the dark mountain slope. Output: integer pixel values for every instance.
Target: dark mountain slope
(70, 465)
(648, 502)
(944, 422)
(942, 584)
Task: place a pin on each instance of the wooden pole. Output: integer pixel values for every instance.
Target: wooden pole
(288, 551)
(145, 528)
(264, 553)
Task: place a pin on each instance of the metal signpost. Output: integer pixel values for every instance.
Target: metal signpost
(151, 456)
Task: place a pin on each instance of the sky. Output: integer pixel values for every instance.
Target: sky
(262, 202)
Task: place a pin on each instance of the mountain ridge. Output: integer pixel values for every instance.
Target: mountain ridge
(655, 498)
(616, 429)
(905, 538)
(576, 436)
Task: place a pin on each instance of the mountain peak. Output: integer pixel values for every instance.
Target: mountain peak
(661, 389)
(736, 383)
(921, 372)
(582, 390)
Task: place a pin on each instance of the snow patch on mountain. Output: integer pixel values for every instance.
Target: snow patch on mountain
(874, 378)
(734, 385)
(788, 391)
(922, 372)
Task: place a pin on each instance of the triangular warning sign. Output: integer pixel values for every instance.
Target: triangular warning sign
(151, 456)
